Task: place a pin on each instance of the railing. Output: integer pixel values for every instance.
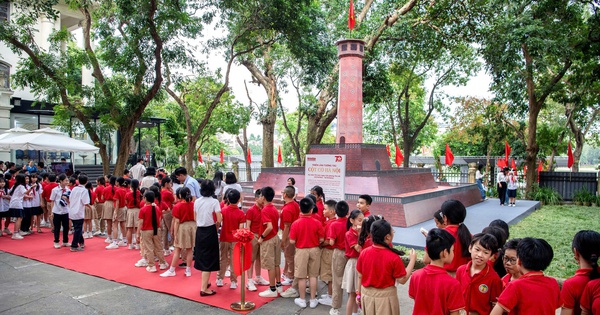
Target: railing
(242, 173)
(450, 177)
(566, 183)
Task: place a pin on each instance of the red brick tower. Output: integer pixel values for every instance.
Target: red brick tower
(350, 105)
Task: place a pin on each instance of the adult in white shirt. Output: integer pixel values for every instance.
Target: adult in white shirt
(149, 178)
(78, 201)
(207, 239)
(137, 171)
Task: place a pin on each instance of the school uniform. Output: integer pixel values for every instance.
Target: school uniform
(307, 233)
(533, 293)
(320, 207)
(15, 207)
(3, 205)
(186, 231)
(120, 203)
(270, 252)
(78, 199)
(60, 214)
(458, 259)
(46, 193)
(506, 280)
(572, 289)
(150, 242)
(232, 218)
(326, 256)
(435, 292)
(289, 214)
(590, 299)
(35, 202)
(379, 268)
(99, 208)
(109, 203)
(480, 290)
(27, 211)
(254, 215)
(90, 212)
(337, 233)
(350, 281)
(133, 209)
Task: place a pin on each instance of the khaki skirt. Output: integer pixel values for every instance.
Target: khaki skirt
(380, 301)
(186, 235)
(89, 213)
(132, 217)
(350, 281)
(109, 208)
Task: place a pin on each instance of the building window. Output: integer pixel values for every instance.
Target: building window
(4, 76)
(4, 10)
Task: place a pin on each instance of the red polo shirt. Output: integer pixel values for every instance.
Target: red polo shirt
(269, 214)
(253, 215)
(167, 197)
(108, 192)
(480, 290)
(368, 242)
(47, 191)
(458, 260)
(119, 196)
(351, 240)
(367, 213)
(435, 292)
(146, 215)
(327, 228)
(337, 233)
(572, 289)
(129, 199)
(533, 293)
(184, 211)
(320, 207)
(289, 213)
(505, 280)
(307, 232)
(232, 217)
(379, 267)
(99, 193)
(590, 300)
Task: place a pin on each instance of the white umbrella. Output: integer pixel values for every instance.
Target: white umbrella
(46, 139)
(14, 132)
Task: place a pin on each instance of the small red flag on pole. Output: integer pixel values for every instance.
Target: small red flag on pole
(449, 155)
(539, 169)
(279, 157)
(506, 151)
(570, 159)
(513, 164)
(249, 157)
(147, 156)
(200, 156)
(399, 156)
(351, 18)
(387, 148)
(222, 157)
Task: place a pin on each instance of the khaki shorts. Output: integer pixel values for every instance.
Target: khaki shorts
(108, 209)
(255, 248)
(132, 217)
(307, 261)
(122, 214)
(325, 269)
(270, 253)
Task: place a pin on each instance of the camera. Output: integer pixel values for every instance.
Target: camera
(63, 202)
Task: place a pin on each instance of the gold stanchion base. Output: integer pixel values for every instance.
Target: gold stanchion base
(247, 306)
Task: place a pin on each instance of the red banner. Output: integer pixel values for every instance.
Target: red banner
(200, 156)
(399, 156)
(279, 157)
(351, 18)
(570, 159)
(249, 157)
(221, 157)
(449, 155)
(237, 262)
(506, 150)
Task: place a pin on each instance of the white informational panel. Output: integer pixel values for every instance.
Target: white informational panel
(327, 171)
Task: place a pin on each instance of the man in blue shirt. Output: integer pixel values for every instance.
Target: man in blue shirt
(187, 181)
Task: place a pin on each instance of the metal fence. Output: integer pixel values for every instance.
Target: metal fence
(253, 171)
(567, 183)
(450, 177)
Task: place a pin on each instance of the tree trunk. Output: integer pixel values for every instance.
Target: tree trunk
(244, 145)
(123, 150)
(190, 157)
(532, 146)
(579, 140)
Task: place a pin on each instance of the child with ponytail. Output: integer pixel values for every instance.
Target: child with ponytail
(364, 239)
(184, 229)
(379, 268)
(350, 281)
(132, 200)
(454, 215)
(148, 225)
(586, 248)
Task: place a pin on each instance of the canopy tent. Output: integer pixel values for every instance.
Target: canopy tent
(46, 139)
(14, 132)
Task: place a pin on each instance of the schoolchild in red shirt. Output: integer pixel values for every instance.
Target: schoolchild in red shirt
(317, 191)
(480, 284)
(99, 223)
(327, 253)
(148, 225)
(132, 200)
(270, 250)
(336, 236)
(509, 259)
(364, 239)
(306, 234)
(350, 281)
(364, 204)
(184, 227)
(590, 300)
(119, 213)
(379, 268)
(289, 214)
(233, 219)
(109, 210)
(586, 247)
(253, 217)
(533, 293)
(435, 292)
(46, 193)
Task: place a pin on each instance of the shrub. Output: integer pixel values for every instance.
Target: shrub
(545, 195)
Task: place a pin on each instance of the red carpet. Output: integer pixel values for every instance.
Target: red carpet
(118, 265)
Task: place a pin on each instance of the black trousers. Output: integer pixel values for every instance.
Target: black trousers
(26, 222)
(502, 192)
(77, 233)
(61, 220)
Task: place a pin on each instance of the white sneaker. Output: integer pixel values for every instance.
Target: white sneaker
(122, 243)
(136, 246)
(324, 296)
(188, 273)
(313, 303)
(334, 311)
(163, 266)
(227, 273)
(166, 253)
(57, 245)
(141, 263)
(66, 245)
(279, 289)
(151, 269)
(97, 233)
(130, 246)
(250, 285)
(17, 236)
(287, 281)
(283, 277)
(324, 301)
(300, 302)
(233, 285)
(261, 281)
(219, 282)
(168, 273)
(268, 293)
(290, 293)
(112, 245)
(108, 240)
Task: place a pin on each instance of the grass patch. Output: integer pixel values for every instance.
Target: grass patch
(557, 225)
